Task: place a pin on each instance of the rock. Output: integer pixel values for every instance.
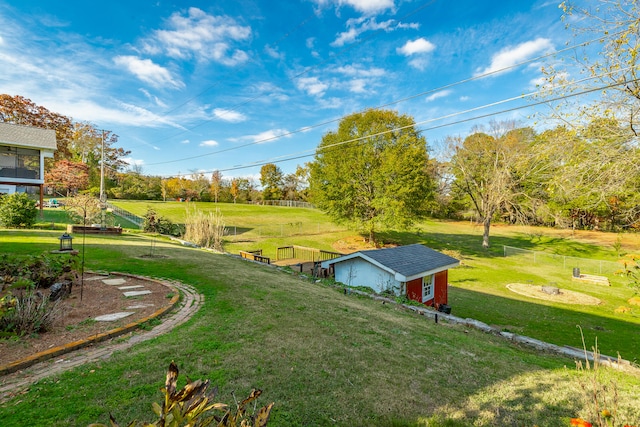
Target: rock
(551, 290)
(59, 290)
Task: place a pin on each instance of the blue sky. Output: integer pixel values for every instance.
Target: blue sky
(230, 85)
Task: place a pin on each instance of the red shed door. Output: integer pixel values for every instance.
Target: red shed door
(440, 284)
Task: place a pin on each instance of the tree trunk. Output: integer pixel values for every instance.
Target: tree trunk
(485, 235)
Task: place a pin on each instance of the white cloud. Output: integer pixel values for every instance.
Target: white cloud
(464, 98)
(147, 71)
(229, 115)
(312, 85)
(201, 36)
(357, 26)
(369, 6)
(310, 42)
(358, 86)
(273, 52)
(419, 63)
(438, 95)
(266, 136)
(185, 141)
(209, 143)
(417, 46)
(153, 98)
(358, 71)
(512, 55)
(132, 161)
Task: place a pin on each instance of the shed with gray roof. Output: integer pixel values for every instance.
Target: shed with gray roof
(416, 271)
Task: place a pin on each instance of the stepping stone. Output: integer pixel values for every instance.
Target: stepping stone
(113, 317)
(123, 288)
(93, 278)
(139, 306)
(114, 282)
(136, 293)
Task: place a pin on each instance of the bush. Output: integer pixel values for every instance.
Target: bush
(40, 271)
(154, 223)
(18, 210)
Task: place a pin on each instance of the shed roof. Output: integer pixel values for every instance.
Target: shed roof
(404, 262)
(27, 136)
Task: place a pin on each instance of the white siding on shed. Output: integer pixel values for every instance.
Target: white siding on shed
(359, 272)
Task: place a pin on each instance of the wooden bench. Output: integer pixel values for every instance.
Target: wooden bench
(590, 278)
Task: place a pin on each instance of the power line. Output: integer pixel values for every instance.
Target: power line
(428, 92)
(297, 156)
(305, 71)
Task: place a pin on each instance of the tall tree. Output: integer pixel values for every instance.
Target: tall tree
(216, 184)
(67, 176)
(490, 171)
(22, 111)
(372, 172)
(271, 180)
(612, 63)
(594, 174)
(234, 190)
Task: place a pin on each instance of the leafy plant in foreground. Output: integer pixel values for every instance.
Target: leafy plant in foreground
(192, 407)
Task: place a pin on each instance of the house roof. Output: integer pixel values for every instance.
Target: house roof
(404, 262)
(27, 137)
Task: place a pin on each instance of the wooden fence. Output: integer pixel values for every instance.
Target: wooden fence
(255, 256)
(305, 254)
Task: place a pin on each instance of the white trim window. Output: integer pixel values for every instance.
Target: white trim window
(427, 288)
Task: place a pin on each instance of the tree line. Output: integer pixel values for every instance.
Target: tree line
(75, 167)
(374, 172)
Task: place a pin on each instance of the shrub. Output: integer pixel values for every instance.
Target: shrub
(17, 210)
(41, 271)
(154, 223)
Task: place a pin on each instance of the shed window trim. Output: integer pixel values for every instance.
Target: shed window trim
(427, 288)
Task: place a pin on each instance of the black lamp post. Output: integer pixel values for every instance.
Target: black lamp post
(65, 242)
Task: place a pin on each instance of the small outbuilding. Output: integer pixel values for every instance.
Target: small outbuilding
(416, 271)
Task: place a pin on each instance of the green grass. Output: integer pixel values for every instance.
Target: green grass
(58, 218)
(479, 288)
(325, 358)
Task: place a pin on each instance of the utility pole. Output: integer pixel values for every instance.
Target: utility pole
(103, 198)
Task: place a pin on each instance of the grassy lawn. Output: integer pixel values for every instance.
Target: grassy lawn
(325, 358)
(331, 359)
(478, 288)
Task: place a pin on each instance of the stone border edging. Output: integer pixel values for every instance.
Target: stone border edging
(567, 351)
(76, 345)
